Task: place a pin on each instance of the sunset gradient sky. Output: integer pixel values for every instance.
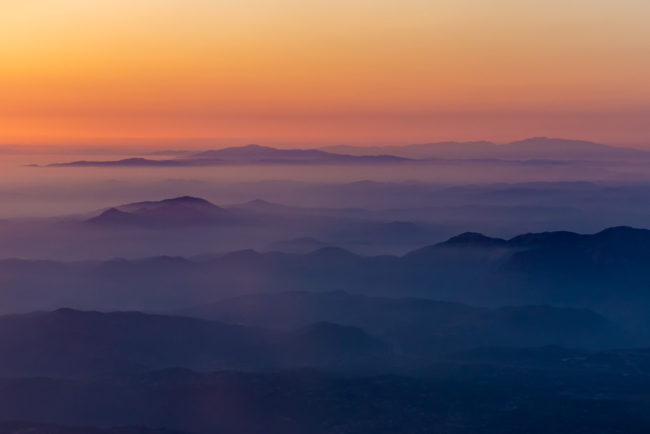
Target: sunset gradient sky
(335, 71)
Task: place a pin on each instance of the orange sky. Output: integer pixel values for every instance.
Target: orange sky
(335, 71)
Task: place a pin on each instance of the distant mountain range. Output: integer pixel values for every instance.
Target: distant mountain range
(186, 214)
(539, 148)
(366, 349)
(250, 154)
(606, 272)
(402, 334)
(533, 148)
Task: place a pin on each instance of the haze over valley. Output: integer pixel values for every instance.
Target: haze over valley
(324, 217)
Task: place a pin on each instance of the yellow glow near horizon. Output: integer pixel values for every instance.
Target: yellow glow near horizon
(324, 71)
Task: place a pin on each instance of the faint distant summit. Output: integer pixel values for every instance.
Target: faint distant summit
(190, 200)
(531, 148)
(178, 211)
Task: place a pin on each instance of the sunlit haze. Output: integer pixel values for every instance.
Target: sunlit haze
(323, 72)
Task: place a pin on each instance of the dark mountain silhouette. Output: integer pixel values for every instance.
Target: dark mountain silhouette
(183, 211)
(250, 154)
(127, 162)
(474, 240)
(68, 342)
(559, 267)
(256, 154)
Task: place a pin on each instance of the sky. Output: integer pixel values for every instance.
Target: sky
(313, 72)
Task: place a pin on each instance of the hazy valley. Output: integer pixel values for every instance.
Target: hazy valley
(254, 289)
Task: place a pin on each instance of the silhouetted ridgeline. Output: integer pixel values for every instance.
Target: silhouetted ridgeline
(606, 272)
(532, 148)
(251, 154)
(68, 343)
(365, 217)
(528, 149)
(366, 349)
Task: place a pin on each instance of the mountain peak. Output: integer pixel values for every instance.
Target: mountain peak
(621, 230)
(474, 239)
(557, 143)
(113, 212)
(254, 146)
(187, 199)
(623, 233)
(176, 211)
